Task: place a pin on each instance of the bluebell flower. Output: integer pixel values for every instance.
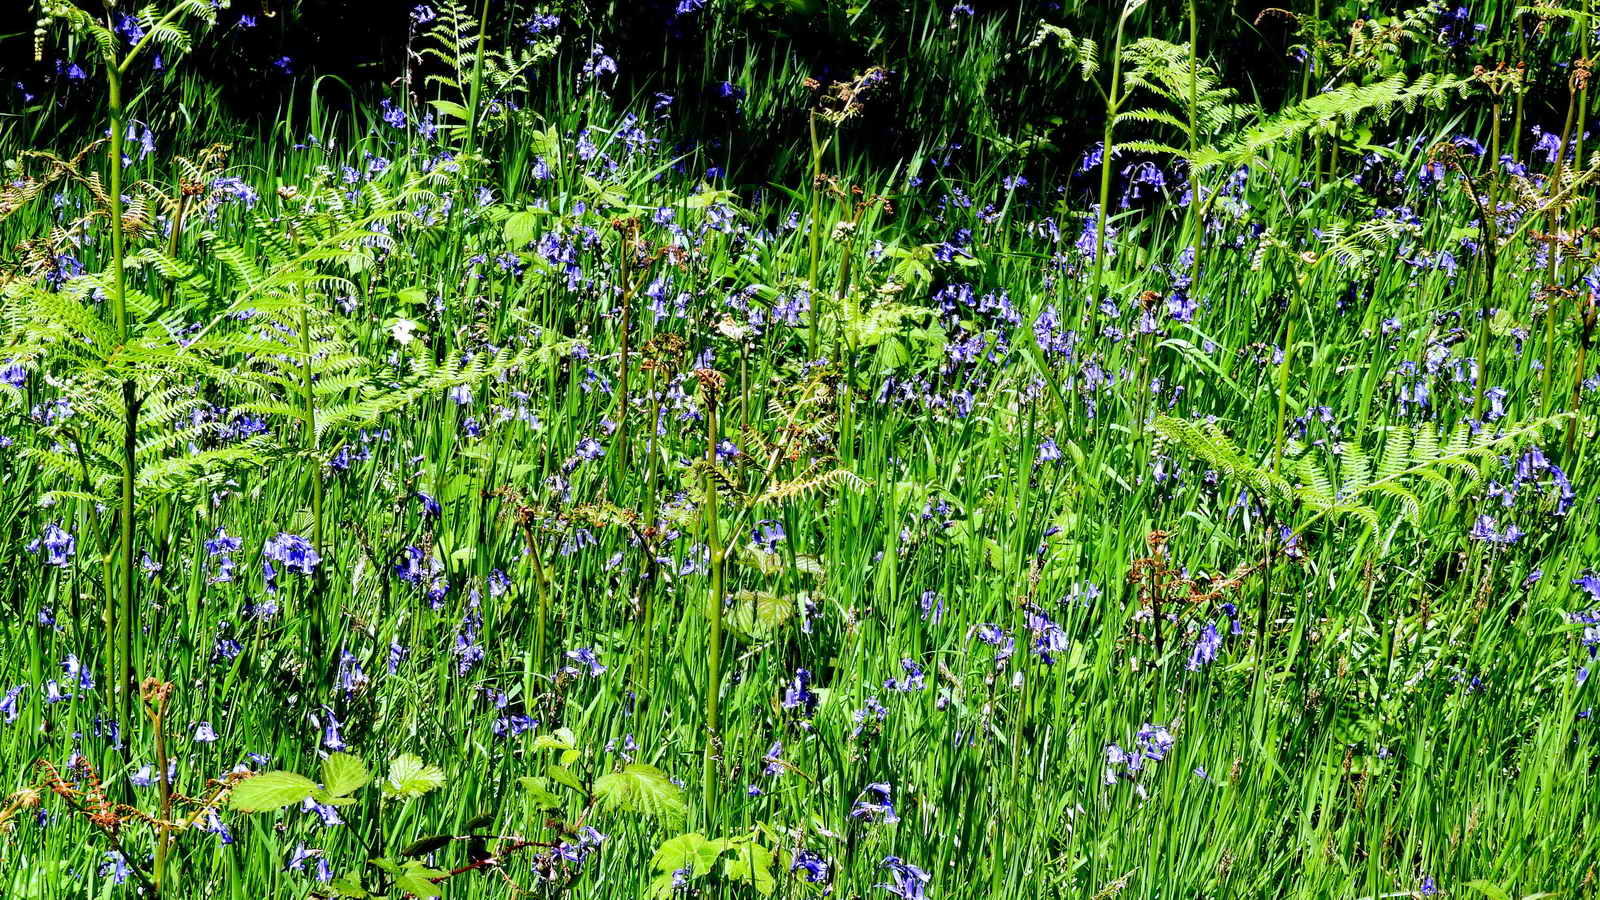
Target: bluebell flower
(115, 867)
(58, 545)
(1205, 649)
(8, 703)
(1049, 639)
(1155, 741)
(216, 826)
(294, 551)
(874, 804)
(393, 115)
(302, 854)
(204, 734)
(1484, 530)
(541, 23)
(587, 657)
(597, 65)
(767, 534)
(77, 671)
(908, 882)
(350, 678)
(430, 506)
(326, 811)
(331, 738)
(130, 28)
(813, 868)
(796, 693)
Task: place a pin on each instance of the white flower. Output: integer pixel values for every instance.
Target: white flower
(402, 330)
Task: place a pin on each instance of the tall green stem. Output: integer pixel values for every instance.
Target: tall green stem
(1114, 98)
(816, 233)
(120, 610)
(713, 609)
(475, 91)
(157, 711)
(1283, 393)
(1197, 223)
(308, 399)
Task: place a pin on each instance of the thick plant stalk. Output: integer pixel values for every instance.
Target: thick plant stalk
(713, 700)
(1114, 98)
(155, 698)
(816, 232)
(652, 569)
(1197, 222)
(119, 609)
(1283, 395)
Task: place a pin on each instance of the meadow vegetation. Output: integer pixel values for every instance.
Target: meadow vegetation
(1129, 449)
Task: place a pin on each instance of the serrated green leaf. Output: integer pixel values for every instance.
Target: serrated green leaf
(757, 615)
(693, 851)
(344, 774)
(1489, 889)
(645, 789)
(270, 790)
(349, 886)
(538, 790)
(417, 879)
(563, 776)
(411, 777)
(753, 863)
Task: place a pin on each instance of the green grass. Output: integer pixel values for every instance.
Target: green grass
(1002, 501)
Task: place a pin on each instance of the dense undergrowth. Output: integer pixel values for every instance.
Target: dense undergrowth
(1039, 461)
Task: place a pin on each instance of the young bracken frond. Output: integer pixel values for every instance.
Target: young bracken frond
(1344, 104)
(1410, 455)
(810, 484)
(1077, 51)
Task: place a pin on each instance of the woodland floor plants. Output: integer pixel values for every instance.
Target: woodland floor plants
(636, 481)
(163, 31)
(836, 104)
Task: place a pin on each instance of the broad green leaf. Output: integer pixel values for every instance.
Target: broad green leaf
(270, 790)
(539, 794)
(661, 887)
(521, 228)
(349, 886)
(416, 878)
(693, 850)
(563, 775)
(753, 863)
(1489, 889)
(759, 614)
(344, 774)
(321, 796)
(453, 110)
(562, 740)
(642, 788)
(411, 777)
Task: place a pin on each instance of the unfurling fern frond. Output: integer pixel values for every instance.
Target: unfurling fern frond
(810, 484)
(1079, 51)
(1411, 457)
(1206, 440)
(1342, 104)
